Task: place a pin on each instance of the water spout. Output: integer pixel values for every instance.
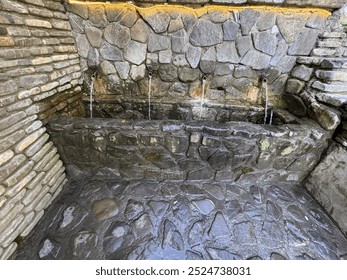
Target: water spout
(93, 78)
(266, 99)
(202, 95)
(149, 94)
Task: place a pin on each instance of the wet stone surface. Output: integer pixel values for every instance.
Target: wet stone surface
(103, 218)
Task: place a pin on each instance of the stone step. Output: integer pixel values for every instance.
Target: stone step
(336, 100)
(334, 87)
(333, 35)
(324, 62)
(332, 75)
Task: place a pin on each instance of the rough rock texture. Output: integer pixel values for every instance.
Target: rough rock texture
(327, 183)
(167, 42)
(195, 151)
(40, 76)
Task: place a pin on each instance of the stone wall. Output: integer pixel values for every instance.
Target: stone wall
(39, 76)
(330, 4)
(198, 150)
(233, 47)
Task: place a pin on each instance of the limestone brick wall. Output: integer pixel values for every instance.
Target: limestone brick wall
(233, 47)
(39, 76)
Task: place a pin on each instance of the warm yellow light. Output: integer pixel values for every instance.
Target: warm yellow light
(209, 8)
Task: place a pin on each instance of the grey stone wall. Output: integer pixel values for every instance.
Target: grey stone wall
(327, 183)
(176, 150)
(39, 76)
(232, 47)
(332, 4)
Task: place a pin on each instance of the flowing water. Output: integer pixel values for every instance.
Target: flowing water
(91, 95)
(266, 100)
(202, 96)
(149, 94)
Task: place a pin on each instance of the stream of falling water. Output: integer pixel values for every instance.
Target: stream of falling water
(202, 96)
(149, 94)
(266, 100)
(91, 95)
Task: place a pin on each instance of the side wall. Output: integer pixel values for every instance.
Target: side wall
(39, 76)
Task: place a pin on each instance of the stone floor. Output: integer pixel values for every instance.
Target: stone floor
(105, 218)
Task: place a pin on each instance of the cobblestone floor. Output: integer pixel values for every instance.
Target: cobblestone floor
(103, 218)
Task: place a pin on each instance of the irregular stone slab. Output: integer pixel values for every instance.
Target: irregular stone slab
(109, 52)
(266, 21)
(295, 234)
(257, 60)
(133, 209)
(226, 52)
(290, 26)
(295, 105)
(248, 18)
(135, 52)
(157, 19)
(82, 45)
(158, 42)
(221, 254)
(105, 209)
(179, 41)
(142, 226)
(186, 74)
(244, 233)
(196, 233)
(219, 228)
(230, 30)
(193, 56)
(159, 208)
(73, 216)
(205, 206)
(122, 68)
(49, 249)
(172, 237)
(325, 116)
(273, 210)
(294, 86)
(168, 72)
(94, 35)
(140, 31)
(206, 33)
(83, 244)
(117, 34)
(332, 75)
(244, 44)
(277, 256)
(304, 43)
(193, 256)
(265, 42)
(302, 72)
(117, 237)
(281, 52)
(337, 100)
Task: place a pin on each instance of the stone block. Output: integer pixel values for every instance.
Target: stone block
(248, 18)
(244, 44)
(328, 118)
(117, 34)
(168, 72)
(110, 52)
(304, 43)
(266, 21)
(165, 56)
(256, 60)
(226, 52)
(179, 41)
(186, 74)
(140, 31)
(82, 45)
(290, 25)
(294, 86)
(295, 105)
(323, 52)
(201, 29)
(97, 15)
(38, 23)
(157, 19)
(302, 72)
(334, 87)
(138, 72)
(334, 99)
(331, 75)
(94, 35)
(230, 30)
(180, 60)
(265, 42)
(123, 69)
(158, 42)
